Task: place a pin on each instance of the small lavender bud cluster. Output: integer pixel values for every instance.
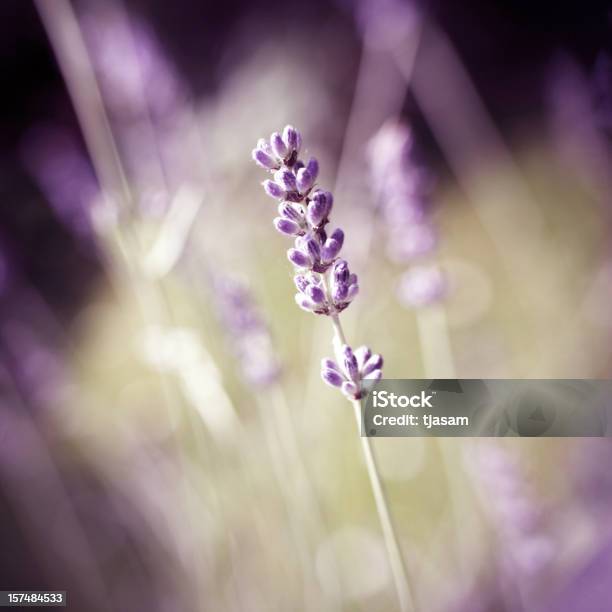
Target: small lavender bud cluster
(355, 372)
(402, 189)
(325, 284)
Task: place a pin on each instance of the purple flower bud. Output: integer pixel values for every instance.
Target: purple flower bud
(292, 138)
(351, 369)
(317, 211)
(311, 246)
(329, 364)
(313, 168)
(332, 377)
(340, 293)
(286, 179)
(263, 159)
(316, 294)
(301, 282)
(325, 198)
(273, 190)
(286, 226)
(341, 272)
(338, 236)
(352, 292)
(330, 251)
(363, 353)
(304, 180)
(299, 259)
(349, 389)
(329, 198)
(264, 145)
(375, 362)
(278, 145)
(374, 376)
(304, 302)
(291, 212)
(318, 194)
(333, 245)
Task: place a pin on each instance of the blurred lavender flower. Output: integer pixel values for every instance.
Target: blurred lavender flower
(31, 358)
(63, 174)
(421, 285)
(249, 335)
(147, 102)
(402, 190)
(588, 590)
(325, 284)
(385, 23)
(592, 475)
(129, 61)
(526, 546)
(401, 187)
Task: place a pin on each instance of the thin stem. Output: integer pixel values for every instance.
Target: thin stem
(338, 331)
(394, 553)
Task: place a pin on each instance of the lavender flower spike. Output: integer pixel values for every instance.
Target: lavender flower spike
(402, 190)
(304, 213)
(248, 334)
(326, 286)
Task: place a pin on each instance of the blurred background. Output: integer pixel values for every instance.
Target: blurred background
(166, 442)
